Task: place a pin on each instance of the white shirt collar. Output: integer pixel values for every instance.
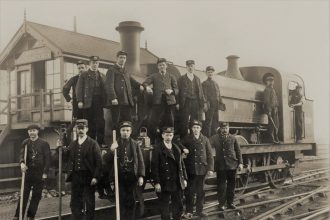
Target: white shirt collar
(190, 76)
(82, 140)
(169, 146)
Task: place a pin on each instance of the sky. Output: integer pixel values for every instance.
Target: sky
(291, 36)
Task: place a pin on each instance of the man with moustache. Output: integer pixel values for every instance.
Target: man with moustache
(91, 97)
(169, 175)
(131, 169)
(83, 158)
(118, 85)
(36, 168)
(199, 163)
(191, 98)
(228, 159)
(164, 90)
(214, 102)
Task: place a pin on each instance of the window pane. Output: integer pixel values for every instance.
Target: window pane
(57, 81)
(68, 76)
(49, 82)
(68, 68)
(57, 99)
(49, 67)
(57, 65)
(28, 82)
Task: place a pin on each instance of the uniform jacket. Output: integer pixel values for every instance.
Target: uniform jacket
(227, 152)
(211, 96)
(85, 88)
(270, 99)
(200, 158)
(159, 166)
(183, 90)
(90, 152)
(138, 162)
(42, 159)
(67, 87)
(160, 84)
(116, 81)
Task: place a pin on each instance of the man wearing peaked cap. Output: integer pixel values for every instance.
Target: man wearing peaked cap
(199, 163)
(36, 167)
(119, 86)
(161, 60)
(91, 97)
(131, 169)
(191, 98)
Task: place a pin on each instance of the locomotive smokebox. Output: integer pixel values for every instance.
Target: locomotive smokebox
(130, 42)
(232, 68)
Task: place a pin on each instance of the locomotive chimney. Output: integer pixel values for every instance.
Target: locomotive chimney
(232, 68)
(130, 42)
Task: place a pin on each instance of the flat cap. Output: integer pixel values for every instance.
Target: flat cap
(125, 124)
(161, 60)
(224, 124)
(267, 76)
(189, 62)
(33, 126)
(81, 123)
(208, 68)
(196, 122)
(80, 62)
(121, 53)
(168, 130)
(94, 58)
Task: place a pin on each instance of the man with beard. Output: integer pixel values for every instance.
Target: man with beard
(131, 170)
(84, 165)
(169, 175)
(36, 168)
(91, 97)
(228, 158)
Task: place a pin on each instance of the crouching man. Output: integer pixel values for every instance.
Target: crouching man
(131, 170)
(169, 175)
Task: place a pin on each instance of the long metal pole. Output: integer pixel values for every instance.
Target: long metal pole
(114, 139)
(22, 187)
(60, 183)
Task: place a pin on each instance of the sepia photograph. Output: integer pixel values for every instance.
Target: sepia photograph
(155, 109)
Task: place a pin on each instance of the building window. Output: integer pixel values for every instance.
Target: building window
(13, 88)
(70, 70)
(53, 80)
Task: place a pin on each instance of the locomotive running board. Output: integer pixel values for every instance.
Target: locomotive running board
(271, 148)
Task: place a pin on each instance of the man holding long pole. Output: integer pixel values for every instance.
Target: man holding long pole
(34, 162)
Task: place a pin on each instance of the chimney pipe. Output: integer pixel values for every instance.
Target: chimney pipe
(130, 42)
(232, 68)
(75, 24)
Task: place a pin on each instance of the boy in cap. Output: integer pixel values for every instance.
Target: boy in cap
(164, 90)
(191, 98)
(36, 168)
(131, 169)
(169, 175)
(214, 102)
(271, 107)
(84, 163)
(296, 102)
(119, 85)
(228, 158)
(91, 96)
(199, 163)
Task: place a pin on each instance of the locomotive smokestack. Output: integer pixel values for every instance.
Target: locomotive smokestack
(232, 68)
(130, 43)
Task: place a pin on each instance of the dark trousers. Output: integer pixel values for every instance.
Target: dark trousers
(95, 118)
(273, 125)
(226, 186)
(164, 199)
(77, 113)
(82, 195)
(33, 181)
(211, 120)
(195, 186)
(161, 115)
(127, 185)
(188, 113)
(120, 113)
(104, 184)
(298, 117)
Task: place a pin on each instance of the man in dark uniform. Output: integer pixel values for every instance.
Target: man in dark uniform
(91, 96)
(296, 102)
(191, 98)
(164, 90)
(199, 162)
(228, 158)
(83, 158)
(214, 103)
(71, 84)
(169, 175)
(271, 107)
(36, 168)
(131, 170)
(118, 85)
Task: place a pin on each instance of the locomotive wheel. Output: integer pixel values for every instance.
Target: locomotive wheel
(277, 177)
(242, 180)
